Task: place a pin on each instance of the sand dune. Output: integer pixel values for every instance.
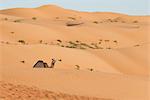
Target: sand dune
(111, 51)
(19, 92)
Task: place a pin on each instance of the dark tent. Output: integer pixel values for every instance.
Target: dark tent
(40, 64)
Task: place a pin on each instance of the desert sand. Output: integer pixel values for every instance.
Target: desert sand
(100, 55)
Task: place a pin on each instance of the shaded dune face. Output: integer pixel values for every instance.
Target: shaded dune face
(116, 46)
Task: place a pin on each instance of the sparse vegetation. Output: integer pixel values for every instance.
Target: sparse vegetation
(72, 43)
(7, 43)
(110, 20)
(95, 46)
(6, 19)
(22, 41)
(91, 69)
(115, 41)
(85, 45)
(17, 21)
(34, 18)
(73, 24)
(108, 48)
(62, 46)
(57, 17)
(77, 67)
(59, 60)
(99, 42)
(115, 20)
(81, 45)
(22, 61)
(12, 32)
(77, 41)
(135, 21)
(41, 41)
(107, 40)
(72, 18)
(70, 47)
(96, 22)
(59, 41)
(136, 45)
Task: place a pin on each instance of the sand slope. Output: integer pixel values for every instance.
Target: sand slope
(19, 92)
(114, 46)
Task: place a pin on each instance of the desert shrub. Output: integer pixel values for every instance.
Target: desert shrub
(2, 42)
(59, 41)
(34, 18)
(12, 32)
(96, 22)
(108, 48)
(21, 41)
(77, 41)
(91, 47)
(7, 43)
(72, 43)
(107, 40)
(95, 46)
(41, 41)
(115, 20)
(136, 45)
(135, 21)
(70, 47)
(17, 21)
(5, 18)
(22, 61)
(110, 20)
(77, 67)
(72, 18)
(99, 42)
(73, 24)
(115, 41)
(85, 45)
(59, 60)
(91, 69)
(62, 46)
(57, 17)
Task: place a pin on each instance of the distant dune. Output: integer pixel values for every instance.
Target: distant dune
(99, 54)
